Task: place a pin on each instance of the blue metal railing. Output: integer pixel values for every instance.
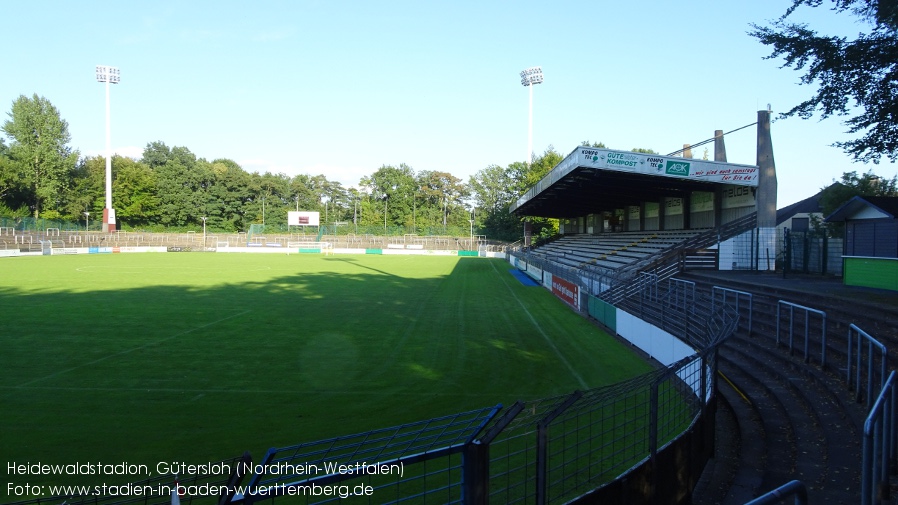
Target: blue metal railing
(807, 312)
(725, 293)
(879, 445)
(794, 488)
(860, 336)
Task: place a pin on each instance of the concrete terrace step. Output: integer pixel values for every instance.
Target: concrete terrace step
(773, 415)
(802, 422)
(788, 430)
(741, 447)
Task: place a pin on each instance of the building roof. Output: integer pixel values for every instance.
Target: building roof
(809, 205)
(885, 204)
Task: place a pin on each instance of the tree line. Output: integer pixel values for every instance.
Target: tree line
(41, 176)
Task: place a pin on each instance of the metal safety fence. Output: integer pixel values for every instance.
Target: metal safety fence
(794, 489)
(674, 306)
(551, 450)
(805, 252)
(742, 301)
(876, 351)
(785, 314)
(558, 449)
(880, 445)
(412, 463)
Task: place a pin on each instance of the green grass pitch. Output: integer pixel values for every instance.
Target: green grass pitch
(143, 358)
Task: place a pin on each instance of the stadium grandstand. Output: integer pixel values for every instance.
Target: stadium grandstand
(622, 211)
(655, 237)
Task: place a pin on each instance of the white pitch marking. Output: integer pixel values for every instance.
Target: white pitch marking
(543, 333)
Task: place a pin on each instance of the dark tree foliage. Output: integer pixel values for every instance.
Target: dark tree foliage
(855, 78)
(852, 184)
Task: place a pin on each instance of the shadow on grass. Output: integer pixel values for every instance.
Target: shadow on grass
(198, 363)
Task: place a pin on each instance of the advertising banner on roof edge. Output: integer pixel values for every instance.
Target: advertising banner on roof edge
(667, 166)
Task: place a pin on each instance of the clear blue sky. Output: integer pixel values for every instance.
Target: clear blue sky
(342, 87)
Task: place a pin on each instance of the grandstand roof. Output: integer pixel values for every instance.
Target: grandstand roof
(591, 180)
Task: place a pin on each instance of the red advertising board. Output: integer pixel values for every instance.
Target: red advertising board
(567, 291)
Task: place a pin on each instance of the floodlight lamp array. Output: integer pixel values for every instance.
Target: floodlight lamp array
(532, 75)
(108, 74)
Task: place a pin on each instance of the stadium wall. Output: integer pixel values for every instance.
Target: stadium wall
(319, 250)
(755, 249)
(657, 343)
(565, 290)
(113, 250)
(9, 253)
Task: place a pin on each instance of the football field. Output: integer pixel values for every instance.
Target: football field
(191, 357)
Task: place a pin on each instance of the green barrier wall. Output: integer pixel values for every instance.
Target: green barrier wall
(871, 272)
(603, 312)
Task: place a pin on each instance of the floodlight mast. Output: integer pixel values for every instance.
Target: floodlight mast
(204, 232)
(108, 75)
(529, 77)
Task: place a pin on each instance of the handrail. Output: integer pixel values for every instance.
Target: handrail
(668, 262)
(807, 312)
(879, 443)
(738, 294)
(793, 488)
(702, 328)
(884, 356)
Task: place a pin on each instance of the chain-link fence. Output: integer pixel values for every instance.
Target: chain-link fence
(338, 228)
(41, 225)
(561, 448)
(808, 253)
(26, 241)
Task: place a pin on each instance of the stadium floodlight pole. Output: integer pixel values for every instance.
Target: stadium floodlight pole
(86, 221)
(108, 75)
(472, 230)
(473, 218)
(204, 232)
(530, 77)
